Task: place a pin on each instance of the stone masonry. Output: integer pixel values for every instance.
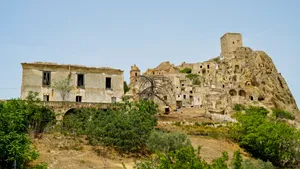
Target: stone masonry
(238, 76)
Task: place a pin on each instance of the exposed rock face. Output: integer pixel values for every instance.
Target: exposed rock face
(252, 78)
(238, 76)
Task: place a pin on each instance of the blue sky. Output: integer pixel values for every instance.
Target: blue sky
(120, 33)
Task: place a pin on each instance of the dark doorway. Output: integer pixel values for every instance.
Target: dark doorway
(167, 110)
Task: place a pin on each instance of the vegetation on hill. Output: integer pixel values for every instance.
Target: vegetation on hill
(282, 114)
(186, 70)
(130, 128)
(127, 127)
(18, 121)
(189, 158)
(266, 138)
(194, 78)
(126, 88)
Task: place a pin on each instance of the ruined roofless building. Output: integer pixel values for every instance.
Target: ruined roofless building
(89, 84)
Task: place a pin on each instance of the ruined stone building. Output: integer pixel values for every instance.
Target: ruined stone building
(238, 75)
(89, 84)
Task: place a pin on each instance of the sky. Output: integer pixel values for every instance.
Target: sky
(118, 34)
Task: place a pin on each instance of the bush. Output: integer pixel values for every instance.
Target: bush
(254, 164)
(278, 113)
(196, 81)
(239, 107)
(192, 76)
(126, 88)
(265, 139)
(186, 158)
(17, 119)
(167, 142)
(126, 127)
(237, 160)
(75, 121)
(186, 70)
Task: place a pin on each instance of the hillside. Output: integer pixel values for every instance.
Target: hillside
(65, 152)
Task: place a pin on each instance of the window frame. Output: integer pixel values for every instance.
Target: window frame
(83, 84)
(47, 98)
(78, 99)
(45, 73)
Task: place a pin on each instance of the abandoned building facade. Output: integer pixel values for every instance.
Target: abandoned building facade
(238, 75)
(87, 84)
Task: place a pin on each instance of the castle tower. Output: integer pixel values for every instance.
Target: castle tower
(134, 73)
(229, 43)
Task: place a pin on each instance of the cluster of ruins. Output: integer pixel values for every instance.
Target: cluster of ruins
(238, 76)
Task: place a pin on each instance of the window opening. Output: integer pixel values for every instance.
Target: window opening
(113, 99)
(78, 98)
(108, 83)
(46, 98)
(80, 80)
(46, 78)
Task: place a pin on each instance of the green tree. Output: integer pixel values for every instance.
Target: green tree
(267, 139)
(63, 86)
(17, 118)
(167, 142)
(126, 88)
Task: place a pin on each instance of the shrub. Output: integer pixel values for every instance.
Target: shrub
(265, 139)
(186, 158)
(126, 88)
(75, 121)
(126, 127)
(191, 76)
(167, 142)
(239, 107)
(217, 59)
(237, 160)
(278, 113)
(17, 119)
(186, 70)
(254, 164)
(194, 78)
(41, 166)
(196, 81)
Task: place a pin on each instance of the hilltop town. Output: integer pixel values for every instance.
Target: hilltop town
(238, 76)
(80, 126)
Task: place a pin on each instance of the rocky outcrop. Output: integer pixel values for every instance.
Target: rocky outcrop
(238, 76)
(251, 78)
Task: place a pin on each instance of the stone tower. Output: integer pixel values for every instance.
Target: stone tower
(134, 73)
(229, 43)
